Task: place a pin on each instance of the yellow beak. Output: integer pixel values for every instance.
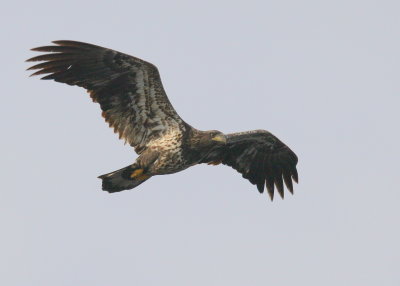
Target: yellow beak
(219, 138)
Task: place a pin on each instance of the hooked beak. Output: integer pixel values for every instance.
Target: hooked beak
(219, 138)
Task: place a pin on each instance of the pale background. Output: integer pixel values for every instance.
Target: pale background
(321, 75)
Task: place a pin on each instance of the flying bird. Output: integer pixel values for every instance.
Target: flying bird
(134, 103)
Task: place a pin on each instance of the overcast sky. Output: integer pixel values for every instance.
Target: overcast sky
(323, 76)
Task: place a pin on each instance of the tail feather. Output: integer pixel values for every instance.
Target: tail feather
(120, 180)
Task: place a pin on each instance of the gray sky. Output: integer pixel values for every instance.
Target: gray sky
(323, 76)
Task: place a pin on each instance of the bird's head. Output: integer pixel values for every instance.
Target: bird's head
(213, 138)
(208, 140)
(217, 137)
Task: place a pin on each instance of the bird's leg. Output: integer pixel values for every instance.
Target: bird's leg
(139, 175)
(142, 165)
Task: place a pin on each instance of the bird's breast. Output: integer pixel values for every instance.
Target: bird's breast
(171, 156)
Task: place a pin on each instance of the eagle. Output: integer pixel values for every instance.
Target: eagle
(135, 104)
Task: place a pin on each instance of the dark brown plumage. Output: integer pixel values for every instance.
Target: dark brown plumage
(135, 105)
(261, 158)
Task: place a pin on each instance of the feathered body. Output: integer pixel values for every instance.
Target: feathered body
(134, 103)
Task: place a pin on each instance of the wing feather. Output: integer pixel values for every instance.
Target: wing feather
(129, 90)
(261, 158)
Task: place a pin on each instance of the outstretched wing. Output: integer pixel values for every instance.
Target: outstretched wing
(128, 89)
(261, 158)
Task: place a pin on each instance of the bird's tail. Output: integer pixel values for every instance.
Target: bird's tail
(123, 179)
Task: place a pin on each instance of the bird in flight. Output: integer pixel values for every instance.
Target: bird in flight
(135, 105)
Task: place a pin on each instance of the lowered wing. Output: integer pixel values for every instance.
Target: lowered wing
(261, 158)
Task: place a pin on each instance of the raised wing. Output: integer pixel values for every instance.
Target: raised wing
(128, 89)
(261, 158)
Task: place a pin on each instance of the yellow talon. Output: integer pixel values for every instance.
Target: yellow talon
(136, 173)
(139, 176)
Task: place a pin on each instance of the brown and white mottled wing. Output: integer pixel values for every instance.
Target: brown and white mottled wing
(128, 89)
(261, 158)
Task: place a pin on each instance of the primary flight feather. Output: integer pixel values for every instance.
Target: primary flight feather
(135, 105)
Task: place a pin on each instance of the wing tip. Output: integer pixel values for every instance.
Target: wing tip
(260, 186)
(64, 42)
(271, 195)
(270, 189)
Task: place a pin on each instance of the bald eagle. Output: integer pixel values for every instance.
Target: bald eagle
(135, 105)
